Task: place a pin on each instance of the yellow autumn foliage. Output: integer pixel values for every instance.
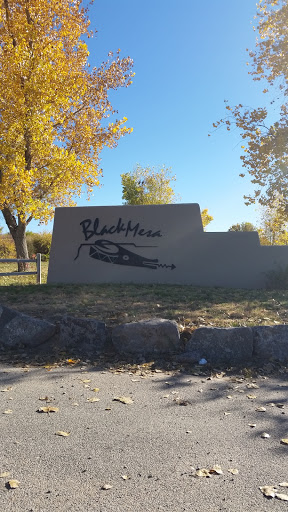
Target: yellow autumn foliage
(52, 108)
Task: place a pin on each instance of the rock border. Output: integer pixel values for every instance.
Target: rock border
(154, 337)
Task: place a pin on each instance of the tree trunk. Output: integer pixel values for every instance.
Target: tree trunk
(18, 233)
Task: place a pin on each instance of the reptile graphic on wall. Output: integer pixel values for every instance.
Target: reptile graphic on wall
(117, 253)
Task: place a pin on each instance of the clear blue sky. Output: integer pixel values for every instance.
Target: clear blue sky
(189, 57)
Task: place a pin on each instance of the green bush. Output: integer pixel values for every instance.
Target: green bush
(7, 247)
(39, 242)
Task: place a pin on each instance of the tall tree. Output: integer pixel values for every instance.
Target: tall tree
(51, 107)
(264, 144)
(150, 185)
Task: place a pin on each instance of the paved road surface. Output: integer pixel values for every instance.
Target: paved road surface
(156, 442)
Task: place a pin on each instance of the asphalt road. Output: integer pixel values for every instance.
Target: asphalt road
(175, 425)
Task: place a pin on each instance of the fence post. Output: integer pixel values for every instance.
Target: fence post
(38, 264)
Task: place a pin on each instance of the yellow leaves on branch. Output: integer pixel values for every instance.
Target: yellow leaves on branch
(52, 106)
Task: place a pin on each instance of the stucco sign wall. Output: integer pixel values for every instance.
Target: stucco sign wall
(154, 244)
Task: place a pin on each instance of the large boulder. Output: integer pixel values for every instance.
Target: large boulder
(156, 336)
(17, 329)
(231, 346)
(271, 342)
(85, 334)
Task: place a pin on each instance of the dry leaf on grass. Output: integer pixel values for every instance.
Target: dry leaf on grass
(123, 399)
(105, 487)
(62, 433)
(93, 399)
(5, 474)
(48, 409)
(284, 441)
(13, 484)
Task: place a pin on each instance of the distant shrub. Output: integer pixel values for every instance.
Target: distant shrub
(39, 242)
(277, 279)
(7, 247)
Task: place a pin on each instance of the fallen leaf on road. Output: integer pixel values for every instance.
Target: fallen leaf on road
(251, 397)
(93, 399)
(234, 471)
(279, 496)
(123, 399)
(229, 397)
(268, 491)
(45, 398)
(203, 472)
(48, 409)
(105, 487)
(62, 433)
(260, 409)
(126, 477)
(95, 390)
(5, 474)
(265, 435)
(220, 375)
(8, 411)
(85, 381)
(251, 385)
(6, 389)
(252, 425)
(284, 441)
(13, 484)
(283, 484)
(216, 469)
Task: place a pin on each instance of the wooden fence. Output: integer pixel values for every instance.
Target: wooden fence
(15, 260)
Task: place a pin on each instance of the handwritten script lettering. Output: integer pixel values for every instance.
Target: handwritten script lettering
(95, 229)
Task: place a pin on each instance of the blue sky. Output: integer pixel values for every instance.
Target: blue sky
(189, 57)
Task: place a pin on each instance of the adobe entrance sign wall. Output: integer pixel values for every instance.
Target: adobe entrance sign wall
(154, 244)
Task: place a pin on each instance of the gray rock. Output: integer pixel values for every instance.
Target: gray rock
(84, 333)
(156, 336)
(230, 346)
(19, 329)
(271, 342)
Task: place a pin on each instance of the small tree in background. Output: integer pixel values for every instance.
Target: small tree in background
(148, 185)
(151, 185)
(206, 218)
(244, 226)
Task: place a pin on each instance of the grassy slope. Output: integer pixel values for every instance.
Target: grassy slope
(189, 306)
